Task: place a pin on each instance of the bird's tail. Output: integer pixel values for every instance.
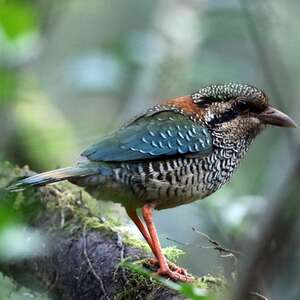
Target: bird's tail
(53, 176)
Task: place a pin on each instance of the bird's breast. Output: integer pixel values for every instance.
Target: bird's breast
(173, 182)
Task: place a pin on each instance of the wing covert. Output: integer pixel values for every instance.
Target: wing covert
(159, 135)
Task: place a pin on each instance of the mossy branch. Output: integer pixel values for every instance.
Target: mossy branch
(84, 255)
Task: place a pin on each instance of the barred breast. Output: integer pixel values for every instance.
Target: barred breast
(170, 183)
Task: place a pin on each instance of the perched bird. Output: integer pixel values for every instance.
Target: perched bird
(175, 153)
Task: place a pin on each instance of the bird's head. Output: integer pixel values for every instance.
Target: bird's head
(238, 109)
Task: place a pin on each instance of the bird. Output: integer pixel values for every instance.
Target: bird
(176, 152)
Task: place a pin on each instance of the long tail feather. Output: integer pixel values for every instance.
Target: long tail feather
(51, 177)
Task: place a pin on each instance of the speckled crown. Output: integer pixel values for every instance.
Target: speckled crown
(224, 92)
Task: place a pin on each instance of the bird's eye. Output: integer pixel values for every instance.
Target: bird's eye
(242, 105)
(203, 103)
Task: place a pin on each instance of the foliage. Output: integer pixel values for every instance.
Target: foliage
(18, 18)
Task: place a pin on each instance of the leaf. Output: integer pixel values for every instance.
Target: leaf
(17, 18)
(193, 293)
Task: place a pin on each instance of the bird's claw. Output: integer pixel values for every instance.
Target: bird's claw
(175, 275)
(173, 272)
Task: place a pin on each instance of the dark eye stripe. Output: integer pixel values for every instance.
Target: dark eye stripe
(211, 98)
(254, 105)
(226, 116)
(257, 108)
(205, 101)
(243, 105)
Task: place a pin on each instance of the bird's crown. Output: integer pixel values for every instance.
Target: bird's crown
(228, 91)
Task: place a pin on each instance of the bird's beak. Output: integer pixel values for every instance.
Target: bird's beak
(275, 117)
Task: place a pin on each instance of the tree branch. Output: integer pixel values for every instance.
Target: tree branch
(84, 254)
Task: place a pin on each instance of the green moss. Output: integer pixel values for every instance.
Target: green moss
(139, 282)
(141, 279)
(173, 253)
(8, 173)
(134, 242)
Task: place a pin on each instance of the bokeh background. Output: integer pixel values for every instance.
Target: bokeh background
(72, 71)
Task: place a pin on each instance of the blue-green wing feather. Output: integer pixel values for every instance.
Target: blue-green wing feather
(162, 134)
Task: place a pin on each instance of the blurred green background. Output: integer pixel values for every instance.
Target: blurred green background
(71, 71)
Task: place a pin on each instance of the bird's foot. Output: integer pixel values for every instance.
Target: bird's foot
(178, 273)
(173, 267)
(175, 275)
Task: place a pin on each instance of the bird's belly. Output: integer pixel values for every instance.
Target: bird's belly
(165, 194)
(166, 183)
(172, 183)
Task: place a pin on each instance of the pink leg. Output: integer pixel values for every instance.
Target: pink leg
(164, 268)
(136, 220)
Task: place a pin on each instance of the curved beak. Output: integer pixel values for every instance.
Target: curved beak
(275, 117)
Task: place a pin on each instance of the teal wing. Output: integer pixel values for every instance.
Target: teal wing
(158, 135)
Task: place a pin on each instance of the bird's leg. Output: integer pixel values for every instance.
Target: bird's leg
(136, 220)
(144, 231)
(164, 269)
(154, 261)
